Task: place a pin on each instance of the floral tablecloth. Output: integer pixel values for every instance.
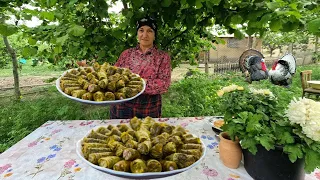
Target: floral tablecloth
(49, 153)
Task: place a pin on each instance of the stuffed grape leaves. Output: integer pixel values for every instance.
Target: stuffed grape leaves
(108, 162)
(122, 165)
(138, 166)
(154, 165)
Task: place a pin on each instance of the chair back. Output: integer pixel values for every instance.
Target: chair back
(305, 76)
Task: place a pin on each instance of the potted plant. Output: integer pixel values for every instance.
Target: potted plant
(277, 144)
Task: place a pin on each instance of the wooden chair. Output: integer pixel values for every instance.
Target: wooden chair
(306, 89)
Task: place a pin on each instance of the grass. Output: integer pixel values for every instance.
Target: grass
(194, 96)
(28, 70)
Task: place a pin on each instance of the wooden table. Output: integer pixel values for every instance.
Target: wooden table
(49, 153)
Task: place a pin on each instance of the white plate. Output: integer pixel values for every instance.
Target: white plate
(149, 175)
(96, 102)
(211, 121)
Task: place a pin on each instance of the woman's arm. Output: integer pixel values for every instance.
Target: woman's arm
(160, 84)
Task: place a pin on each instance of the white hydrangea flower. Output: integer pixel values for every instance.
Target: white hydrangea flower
(306, 113)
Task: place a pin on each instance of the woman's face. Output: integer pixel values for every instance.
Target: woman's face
(146, 36)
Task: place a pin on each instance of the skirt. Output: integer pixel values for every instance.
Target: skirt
(140, 107)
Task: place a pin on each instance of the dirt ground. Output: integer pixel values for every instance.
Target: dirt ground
(7, 82)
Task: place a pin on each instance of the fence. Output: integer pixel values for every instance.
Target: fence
(233, 67)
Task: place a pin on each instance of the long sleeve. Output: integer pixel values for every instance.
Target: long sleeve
(161, 83)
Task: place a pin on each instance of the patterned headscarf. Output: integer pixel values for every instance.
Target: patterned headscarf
(147, 21)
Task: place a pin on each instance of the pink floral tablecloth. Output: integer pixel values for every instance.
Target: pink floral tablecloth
(49, 153)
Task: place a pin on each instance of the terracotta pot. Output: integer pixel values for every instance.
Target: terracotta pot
(230, 151)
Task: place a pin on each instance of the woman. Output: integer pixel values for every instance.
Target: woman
(153, 66)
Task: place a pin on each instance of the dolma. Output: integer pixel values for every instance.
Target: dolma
(135, 123)
(92, 140)
(169, 148)
(119, 70)
(94, 157)
(195, 152)
(82, 81)
(68, 74)
(182, 160)
(179, 128)
(120, 149)
(125, 136)
(135, 78)
(126, 72)
(168, 165)
(111, 70)
(142, 135)
(90, 150)
(131, 144)
(193, 140)
(69, 78)
(157, 151)
(147, 123)
(98, 96)
(104, 67)
(176, 139)
(112, 86)
(86, 85)
(103, 83)
(160, 139)
(67, 85)
(88, 69)
(156, 129)
(144, 147)
(110, 96)
(154, 165)
(167, 128)
(74, 71)
(69, 90)
(108, 162)
(114, 144)
(83, 72)
(114, 77)
(94, 145)
(122, 165)
(90, 76)
(93, 88)
(138, 166)
(96, 66)
(120, 84)
(192, 146)
(94, 81)
(186, 136)
(102, 130)
(87, 96)
(122, 127)
(114, 137)
(119, 95)
(78, 93)
(138, 87)
(96, 135)
(125, 78)
(114, 131)
(110, 126)
(101, 75)
(130, 154)
(140, 83)
(132, 133)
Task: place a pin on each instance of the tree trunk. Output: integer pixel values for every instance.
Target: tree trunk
(291, 48)
(206, 65)
(316, 44)
(250, 42)
(14, 68)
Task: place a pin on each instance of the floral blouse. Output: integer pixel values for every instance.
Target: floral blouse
(153, 66)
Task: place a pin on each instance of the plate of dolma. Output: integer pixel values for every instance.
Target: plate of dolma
(216, 122)
(141, 149)
(100, 84)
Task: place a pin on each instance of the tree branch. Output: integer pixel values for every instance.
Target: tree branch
(165, 47)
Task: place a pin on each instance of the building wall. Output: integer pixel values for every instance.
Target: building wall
(232, 49)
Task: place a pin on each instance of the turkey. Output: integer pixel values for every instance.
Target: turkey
(283, 70)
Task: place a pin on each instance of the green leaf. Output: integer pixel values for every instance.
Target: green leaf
(32, 41)
(61, 40)
(8, 29)
(102, 53)
(314, 26)
(29, 51)
(215, 2)
(77, 30)
(165, 3)
(294, 152)
(47, 15)
(238, 34)
(275, 25)
(236, 19)
(137, 3)
(198, 4)
(312, 160)
(58, 49)
(273, 5)
(190, 22)
(250, 144)
(267, 141)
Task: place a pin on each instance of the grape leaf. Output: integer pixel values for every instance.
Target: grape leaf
(165, 3)
(266, 141)
(312, 160)
(77, 30)
(294, 152)
(7, 30)
(250, 144)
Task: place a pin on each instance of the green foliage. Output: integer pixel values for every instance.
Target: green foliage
(19, 119)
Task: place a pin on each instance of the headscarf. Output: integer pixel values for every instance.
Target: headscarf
(147, 21)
